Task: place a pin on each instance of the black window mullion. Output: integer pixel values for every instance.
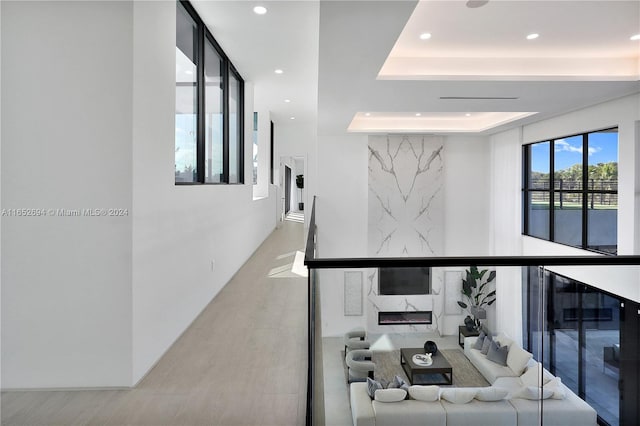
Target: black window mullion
(526, 166)
(200, 114)
(271, 149)
(225, 123)
(240, 128)
(203, 35)
(552, 193)
(585, 190)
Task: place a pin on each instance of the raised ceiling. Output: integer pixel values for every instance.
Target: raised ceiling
(357, 39)
(569, 40)
(335, 54)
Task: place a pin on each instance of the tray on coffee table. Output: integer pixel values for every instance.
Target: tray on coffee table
(438, 373)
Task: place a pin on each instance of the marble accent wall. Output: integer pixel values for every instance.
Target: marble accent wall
(405, 218)
(406, 203)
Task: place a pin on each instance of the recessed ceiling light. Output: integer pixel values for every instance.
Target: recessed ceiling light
(418, 114)
(287, 100)
(467, 115)
(279, 71)
(292, 118)
(425, 36)
(368, 114)
(533, 36)
(188, 72)
(260, 10)
(635, 37)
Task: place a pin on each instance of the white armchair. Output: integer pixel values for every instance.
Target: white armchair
(360, 365)
(355, 339)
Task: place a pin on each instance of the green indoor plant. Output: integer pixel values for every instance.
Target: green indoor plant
(476, 293)
(300, 185)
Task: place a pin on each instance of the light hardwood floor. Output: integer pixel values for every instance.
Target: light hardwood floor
(243, 361)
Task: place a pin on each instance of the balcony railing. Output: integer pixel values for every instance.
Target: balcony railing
(315, 415)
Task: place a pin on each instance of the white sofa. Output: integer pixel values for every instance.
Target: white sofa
(513, 410)
(572, 410)
(368, 412)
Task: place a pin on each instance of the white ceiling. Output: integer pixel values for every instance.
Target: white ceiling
(333, 51)
(577, 40)
(285, 38)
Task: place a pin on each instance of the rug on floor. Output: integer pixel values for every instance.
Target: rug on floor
(464, 373)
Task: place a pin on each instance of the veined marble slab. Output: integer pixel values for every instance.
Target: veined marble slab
(406, 218)
(406, 206)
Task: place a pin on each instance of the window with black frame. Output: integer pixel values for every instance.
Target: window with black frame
(570, 190)
(209, 106)
(576, 331)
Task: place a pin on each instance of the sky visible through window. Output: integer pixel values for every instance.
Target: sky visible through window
(603, 148)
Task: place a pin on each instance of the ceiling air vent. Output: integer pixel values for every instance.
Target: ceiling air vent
(480, 98)
(474, 4)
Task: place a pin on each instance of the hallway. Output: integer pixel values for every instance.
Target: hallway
(243, 361)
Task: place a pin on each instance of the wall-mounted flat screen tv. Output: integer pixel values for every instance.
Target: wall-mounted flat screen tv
(404, 281)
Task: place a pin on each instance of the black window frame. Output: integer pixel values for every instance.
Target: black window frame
(204, 36)
(585, 192)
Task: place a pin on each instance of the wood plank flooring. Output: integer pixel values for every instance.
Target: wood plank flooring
(243, 361)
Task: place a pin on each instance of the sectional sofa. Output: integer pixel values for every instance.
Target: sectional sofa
(518, 391)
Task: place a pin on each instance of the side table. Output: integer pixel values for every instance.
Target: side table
(464, 332)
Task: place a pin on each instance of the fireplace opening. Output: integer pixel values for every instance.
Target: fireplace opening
(398, 318)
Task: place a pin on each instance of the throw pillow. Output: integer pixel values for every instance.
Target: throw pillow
(398, 382)
(498, 354)
(485, 345)
(479, 342)
(531, 377)
(425, 393)
(458, 395)
(491, 394)
(503, 339)
(533, 392)
(390, 395)
(372, 387)
(517, 359)
(555, 386)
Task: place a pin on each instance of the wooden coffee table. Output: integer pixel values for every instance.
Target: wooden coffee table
(438, 373)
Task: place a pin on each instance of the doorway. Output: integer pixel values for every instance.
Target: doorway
(287, 189)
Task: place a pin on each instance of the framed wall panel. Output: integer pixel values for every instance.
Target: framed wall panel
(353, 293)
(452, 288)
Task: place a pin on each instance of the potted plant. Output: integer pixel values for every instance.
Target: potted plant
(300, 185)
(477, 295)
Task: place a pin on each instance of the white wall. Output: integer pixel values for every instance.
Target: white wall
(342, 206)
(179, 230)
(261, 189)
(341, 213)
(506, 211)
(467, 195)
(624, 113)
(67, 112)
(342, 182)
(505, 226)
(89, 97)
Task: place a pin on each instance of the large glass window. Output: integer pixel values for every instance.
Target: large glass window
(235, 127)
(214, 113)
(583, 187)
(186, 97)
(255, 148)
(576, 330)
(209, 106)
(603, 191)
(538, 179)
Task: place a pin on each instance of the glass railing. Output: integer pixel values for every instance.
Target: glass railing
(564, 327)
